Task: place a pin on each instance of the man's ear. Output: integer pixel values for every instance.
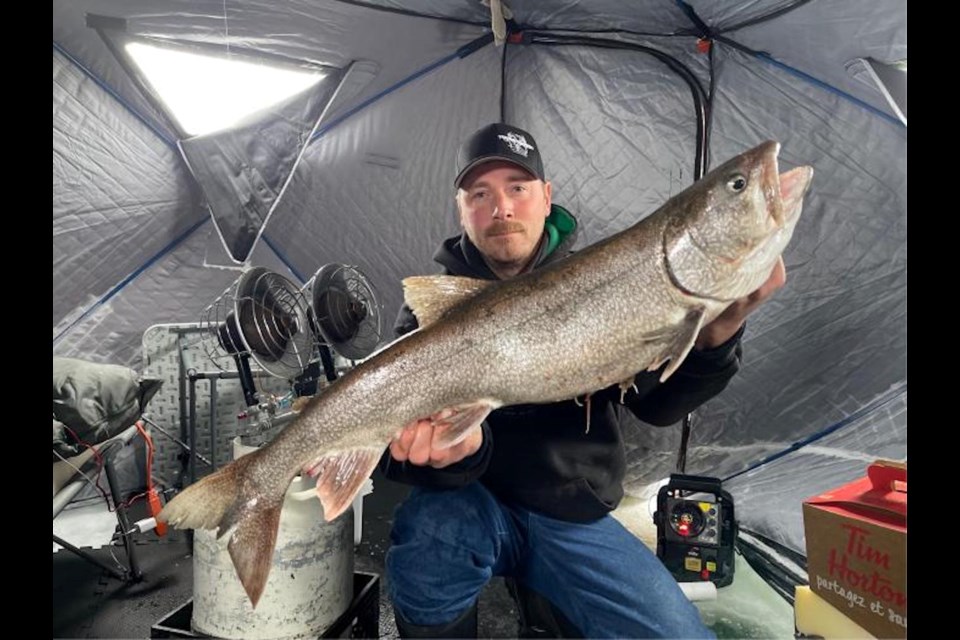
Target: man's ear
(456, 199)
(548, 195)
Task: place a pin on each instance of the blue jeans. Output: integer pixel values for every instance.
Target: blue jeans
(448, 544)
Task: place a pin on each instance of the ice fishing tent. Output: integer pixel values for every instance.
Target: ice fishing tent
(628, 100)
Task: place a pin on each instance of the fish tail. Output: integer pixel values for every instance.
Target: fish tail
(251, 545)
(218, 502)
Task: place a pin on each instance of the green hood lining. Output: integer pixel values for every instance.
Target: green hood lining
(558, 226)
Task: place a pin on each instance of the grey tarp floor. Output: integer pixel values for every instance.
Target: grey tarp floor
(89, 603)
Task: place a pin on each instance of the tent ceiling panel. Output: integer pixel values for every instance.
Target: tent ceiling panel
(113, 332)
(822, 38)
(120, 194)
(616, 129)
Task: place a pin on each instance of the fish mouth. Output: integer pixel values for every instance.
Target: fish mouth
(784, 192)
(793, 187)
(770, 179)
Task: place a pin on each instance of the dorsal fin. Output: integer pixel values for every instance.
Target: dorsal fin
(429, 297)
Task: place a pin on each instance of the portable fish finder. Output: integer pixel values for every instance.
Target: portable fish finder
(696, 529)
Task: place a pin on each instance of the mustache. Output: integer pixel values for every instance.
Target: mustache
(503, 227)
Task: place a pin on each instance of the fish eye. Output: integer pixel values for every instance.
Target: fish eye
(736, 183)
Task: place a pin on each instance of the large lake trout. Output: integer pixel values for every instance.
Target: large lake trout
(633, 302)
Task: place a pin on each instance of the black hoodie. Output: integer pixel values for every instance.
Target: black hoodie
(542, 457)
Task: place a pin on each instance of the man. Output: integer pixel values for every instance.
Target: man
(528, 495)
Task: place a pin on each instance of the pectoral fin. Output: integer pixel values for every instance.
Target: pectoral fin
(429, 297)
(341, 476)
(678, 343)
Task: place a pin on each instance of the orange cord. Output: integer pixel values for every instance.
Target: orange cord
(153, 499)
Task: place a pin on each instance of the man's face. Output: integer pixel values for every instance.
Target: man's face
(503, 209)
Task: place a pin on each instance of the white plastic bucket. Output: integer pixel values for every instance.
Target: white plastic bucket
(310, 583)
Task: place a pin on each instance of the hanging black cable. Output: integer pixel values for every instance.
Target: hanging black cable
(696, 89)
(684, 440)
(711, 92)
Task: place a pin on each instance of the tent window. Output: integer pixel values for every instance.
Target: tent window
(208, 93)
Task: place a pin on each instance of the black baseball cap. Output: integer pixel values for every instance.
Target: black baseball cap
(499, 142)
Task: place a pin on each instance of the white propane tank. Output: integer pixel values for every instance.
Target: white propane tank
(310, 583)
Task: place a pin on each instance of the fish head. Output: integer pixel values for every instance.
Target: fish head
(725, 232)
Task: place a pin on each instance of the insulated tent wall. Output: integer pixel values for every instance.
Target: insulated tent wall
(823, 388)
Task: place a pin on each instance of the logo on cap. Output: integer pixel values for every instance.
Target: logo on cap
(517, 143)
